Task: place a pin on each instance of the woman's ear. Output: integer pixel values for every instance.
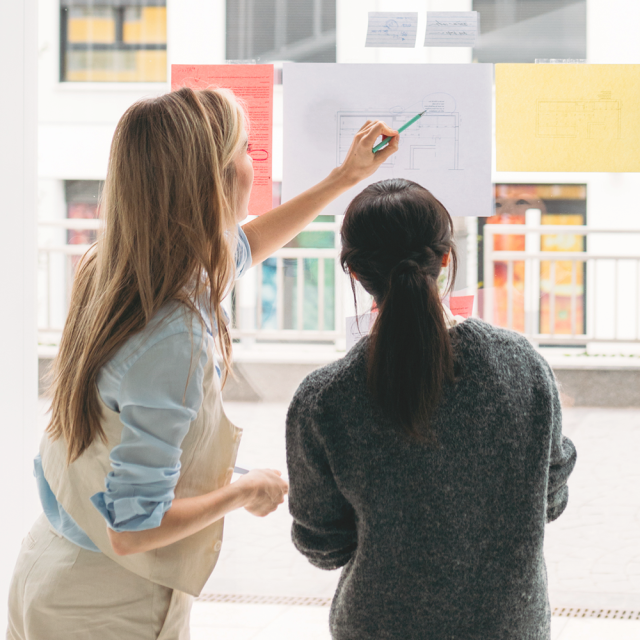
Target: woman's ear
(445, 259)
(353, 274)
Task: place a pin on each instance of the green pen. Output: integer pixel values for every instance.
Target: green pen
(385, 142)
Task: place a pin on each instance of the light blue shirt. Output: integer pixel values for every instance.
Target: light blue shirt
(145, 382)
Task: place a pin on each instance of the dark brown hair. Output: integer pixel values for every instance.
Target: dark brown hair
(394, 236)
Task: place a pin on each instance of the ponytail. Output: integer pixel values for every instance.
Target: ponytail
(394, 237)
(410, 355)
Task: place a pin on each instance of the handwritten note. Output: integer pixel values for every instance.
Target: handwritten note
(253, 84)
(451, 28)
(392, 29)
(461, 305)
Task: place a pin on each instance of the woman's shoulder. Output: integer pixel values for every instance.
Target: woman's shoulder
(175, 331)
(482, 334)
(484, 347)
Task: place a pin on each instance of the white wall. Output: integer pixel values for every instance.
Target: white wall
(18, 365)
(77, 119)
(52, 267)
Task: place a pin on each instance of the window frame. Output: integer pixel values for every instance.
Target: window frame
(119, 45)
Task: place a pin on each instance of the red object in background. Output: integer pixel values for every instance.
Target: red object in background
(82, 211)
(461, 305)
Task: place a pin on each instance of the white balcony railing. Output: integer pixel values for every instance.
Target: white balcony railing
(301, 294)
(295, 296)
(598, 289)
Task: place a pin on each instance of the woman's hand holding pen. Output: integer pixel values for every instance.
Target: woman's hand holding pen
(360, 161)
(265, 491)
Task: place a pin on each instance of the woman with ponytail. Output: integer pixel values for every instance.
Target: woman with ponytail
(134, 470)
(427, 461)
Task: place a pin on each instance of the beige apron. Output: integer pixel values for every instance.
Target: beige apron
(208, 455)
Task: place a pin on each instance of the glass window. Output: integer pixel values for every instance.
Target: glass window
(296, 30)
(113, 41)
(526, 30)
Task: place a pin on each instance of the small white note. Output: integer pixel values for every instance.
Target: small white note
(358, 327)
(451, 28)
(392, 29)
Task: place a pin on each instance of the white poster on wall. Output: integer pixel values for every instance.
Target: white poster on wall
(447, 150)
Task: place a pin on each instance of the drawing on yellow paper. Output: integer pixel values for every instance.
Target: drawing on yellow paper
(568, 117)
(592, 119)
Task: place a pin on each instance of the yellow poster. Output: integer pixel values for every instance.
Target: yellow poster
(568, 117)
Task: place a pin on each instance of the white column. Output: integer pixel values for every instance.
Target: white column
(18, 364)
(612, 32)
(196, 32)
(612, 38)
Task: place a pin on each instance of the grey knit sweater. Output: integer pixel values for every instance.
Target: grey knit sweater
(435, 544)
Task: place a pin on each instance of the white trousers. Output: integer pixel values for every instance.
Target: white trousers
(60, 591)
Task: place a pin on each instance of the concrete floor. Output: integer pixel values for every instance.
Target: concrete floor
(592, 551)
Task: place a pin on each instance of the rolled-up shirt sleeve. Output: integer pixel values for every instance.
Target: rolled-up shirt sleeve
(160, 395)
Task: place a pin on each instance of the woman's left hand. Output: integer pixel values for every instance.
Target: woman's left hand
(360, 161)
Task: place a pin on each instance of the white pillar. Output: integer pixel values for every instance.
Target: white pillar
(612, 32)
(612, 38)
(18, 364)
(196, 32)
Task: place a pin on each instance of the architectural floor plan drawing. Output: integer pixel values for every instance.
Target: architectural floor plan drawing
(590, 119)
(567, 117)
(447, 150)
(431, 143)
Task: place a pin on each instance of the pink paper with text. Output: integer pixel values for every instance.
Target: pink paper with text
(253, 85)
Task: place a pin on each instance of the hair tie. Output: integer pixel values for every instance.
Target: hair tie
(408, 266)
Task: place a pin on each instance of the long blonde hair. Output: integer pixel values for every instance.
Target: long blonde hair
(168, 205)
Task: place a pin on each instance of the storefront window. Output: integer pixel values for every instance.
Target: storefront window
(562, 313)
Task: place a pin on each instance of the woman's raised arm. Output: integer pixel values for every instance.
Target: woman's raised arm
(274, 229)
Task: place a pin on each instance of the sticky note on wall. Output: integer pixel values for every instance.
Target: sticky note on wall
(451, 28)
(392, 29)
(568, 117)
(461, 305)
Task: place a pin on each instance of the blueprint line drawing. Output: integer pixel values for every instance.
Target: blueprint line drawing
(431, 143)
(588, 119)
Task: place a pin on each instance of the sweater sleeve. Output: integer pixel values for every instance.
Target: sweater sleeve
(324, 526)
(562, 455)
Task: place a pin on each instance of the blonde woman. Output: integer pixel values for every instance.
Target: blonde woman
(134, 469)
